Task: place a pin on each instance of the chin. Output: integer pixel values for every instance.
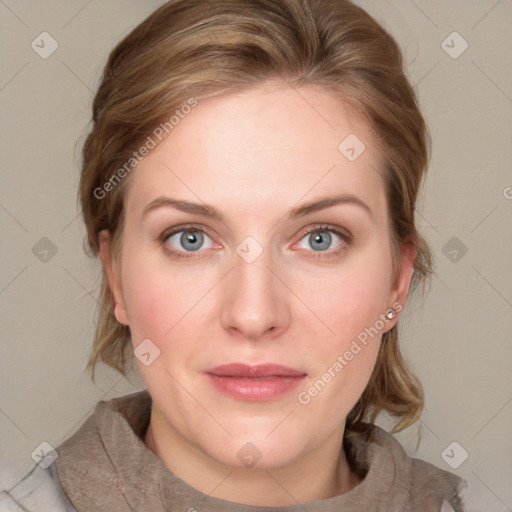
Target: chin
(257, 451)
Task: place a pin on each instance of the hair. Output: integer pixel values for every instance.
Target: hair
(189, 50)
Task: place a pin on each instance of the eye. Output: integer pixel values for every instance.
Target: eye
(185, 240)
(322, 238)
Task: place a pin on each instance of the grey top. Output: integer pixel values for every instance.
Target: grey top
(105, 466)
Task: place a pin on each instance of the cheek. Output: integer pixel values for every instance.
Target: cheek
(359, 306)
(150, 301)
(352, 297)
(162, 300)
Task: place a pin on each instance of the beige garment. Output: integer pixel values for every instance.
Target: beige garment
(105, 466)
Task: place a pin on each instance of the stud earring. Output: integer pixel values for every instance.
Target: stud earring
(390, 314)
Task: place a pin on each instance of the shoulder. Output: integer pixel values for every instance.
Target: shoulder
(429, 481)
(37, 491)
(416, 483)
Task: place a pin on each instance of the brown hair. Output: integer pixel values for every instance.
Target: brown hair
(188, 50)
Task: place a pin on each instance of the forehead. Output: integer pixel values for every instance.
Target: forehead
(263, 148)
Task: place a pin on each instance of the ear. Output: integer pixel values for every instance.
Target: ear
(112, 274)
(400, 289)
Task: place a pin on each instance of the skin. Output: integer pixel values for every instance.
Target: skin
(254, 156)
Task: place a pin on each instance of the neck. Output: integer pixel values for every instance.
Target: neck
(325, 469)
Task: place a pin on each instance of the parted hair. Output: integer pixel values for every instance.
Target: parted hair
(199, 49)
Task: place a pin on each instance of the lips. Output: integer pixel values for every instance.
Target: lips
(255, 383)
(244, 371)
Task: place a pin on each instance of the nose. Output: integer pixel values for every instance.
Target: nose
(254, 300)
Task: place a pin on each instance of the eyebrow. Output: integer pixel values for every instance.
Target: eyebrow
(209, 211)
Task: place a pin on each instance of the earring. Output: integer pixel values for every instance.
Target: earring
(390, 314)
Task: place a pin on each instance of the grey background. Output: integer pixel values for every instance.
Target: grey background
(459, 342)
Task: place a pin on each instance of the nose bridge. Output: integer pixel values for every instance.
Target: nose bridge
(255, 301)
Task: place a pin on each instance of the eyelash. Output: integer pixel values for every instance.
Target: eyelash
(345, 237)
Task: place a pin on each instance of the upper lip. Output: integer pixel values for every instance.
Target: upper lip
(253, 371)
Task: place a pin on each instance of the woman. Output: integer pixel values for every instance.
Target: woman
(249, 184)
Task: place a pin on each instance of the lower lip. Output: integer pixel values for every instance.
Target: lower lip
(257, 389)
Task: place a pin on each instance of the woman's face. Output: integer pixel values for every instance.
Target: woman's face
(247, 284)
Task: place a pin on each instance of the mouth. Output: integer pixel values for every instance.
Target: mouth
(255, 383)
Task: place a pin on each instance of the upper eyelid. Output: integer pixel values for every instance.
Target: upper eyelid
(178, 229)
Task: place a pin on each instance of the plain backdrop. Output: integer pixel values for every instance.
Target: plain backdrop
(458, 55)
